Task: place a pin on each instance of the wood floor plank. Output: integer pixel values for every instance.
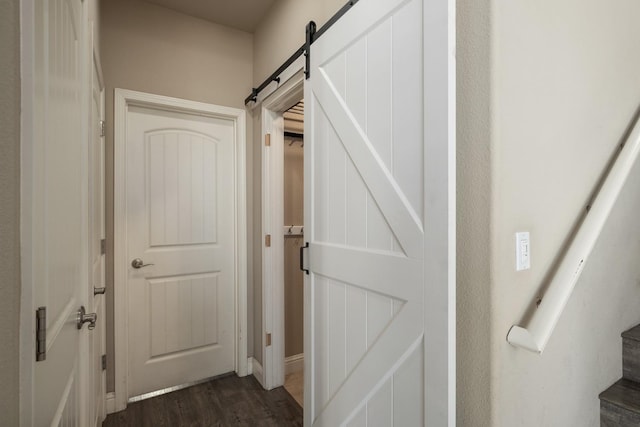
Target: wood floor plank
(225, 401)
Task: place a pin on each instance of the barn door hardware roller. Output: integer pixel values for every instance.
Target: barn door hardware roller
(302, 248)
(310, 32)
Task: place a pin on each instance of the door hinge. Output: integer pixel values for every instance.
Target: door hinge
(101, 127)
(41, 334)
(103, 360)
(267, 140)
(268, 340)
(103, 246)
(267, 240)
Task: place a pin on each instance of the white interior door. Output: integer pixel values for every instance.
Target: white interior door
(370, 225)
(55, 210)
(97, 344)
(180, 222)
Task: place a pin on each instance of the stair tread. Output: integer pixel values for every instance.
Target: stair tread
(624, 393)
(633, 333)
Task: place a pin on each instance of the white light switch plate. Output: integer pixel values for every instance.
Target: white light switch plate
(523, 251)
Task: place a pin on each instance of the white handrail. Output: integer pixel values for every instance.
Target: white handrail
(537, 333)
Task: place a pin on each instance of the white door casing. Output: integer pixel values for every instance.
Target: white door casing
(54, 210)
(180, 207)
(272, 255)
(379, 218)
(288, 93)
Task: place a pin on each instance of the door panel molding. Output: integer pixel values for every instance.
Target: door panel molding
(394, 205)
(123, 100)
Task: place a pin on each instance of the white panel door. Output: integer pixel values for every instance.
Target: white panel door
(180, 220)
(55, 211)
(97, 344)
(365, 208)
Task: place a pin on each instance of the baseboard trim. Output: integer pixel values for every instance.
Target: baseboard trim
(111, 402)
(294, 363)
(257, 371)
(249, 365)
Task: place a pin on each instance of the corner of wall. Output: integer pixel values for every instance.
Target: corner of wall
(474, 191)
(10, 210)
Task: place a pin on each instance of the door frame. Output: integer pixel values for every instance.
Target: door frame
(124, 98)
(273, 356)
(439, 98)
(102, 318)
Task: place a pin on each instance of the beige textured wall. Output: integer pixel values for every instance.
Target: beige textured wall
(293, 181)
(293, 297)
(152, 49)
(565, 85)
(473, 217)
(293, 276)
(281, 32)
(9, 210)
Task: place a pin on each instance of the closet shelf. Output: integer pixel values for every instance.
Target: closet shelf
(293, 230)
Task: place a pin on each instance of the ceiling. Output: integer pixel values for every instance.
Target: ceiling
(241, 14)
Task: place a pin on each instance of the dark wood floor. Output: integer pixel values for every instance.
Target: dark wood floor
(226, 401)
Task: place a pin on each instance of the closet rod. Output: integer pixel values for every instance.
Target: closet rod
(294, 135)
(275, 77)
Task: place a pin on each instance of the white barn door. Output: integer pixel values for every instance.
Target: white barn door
(379, 303)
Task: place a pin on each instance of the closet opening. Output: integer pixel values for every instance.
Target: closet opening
(280, 363)
(293, 231)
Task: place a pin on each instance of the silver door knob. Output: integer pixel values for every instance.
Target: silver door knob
(138, 263)
(84, 317)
